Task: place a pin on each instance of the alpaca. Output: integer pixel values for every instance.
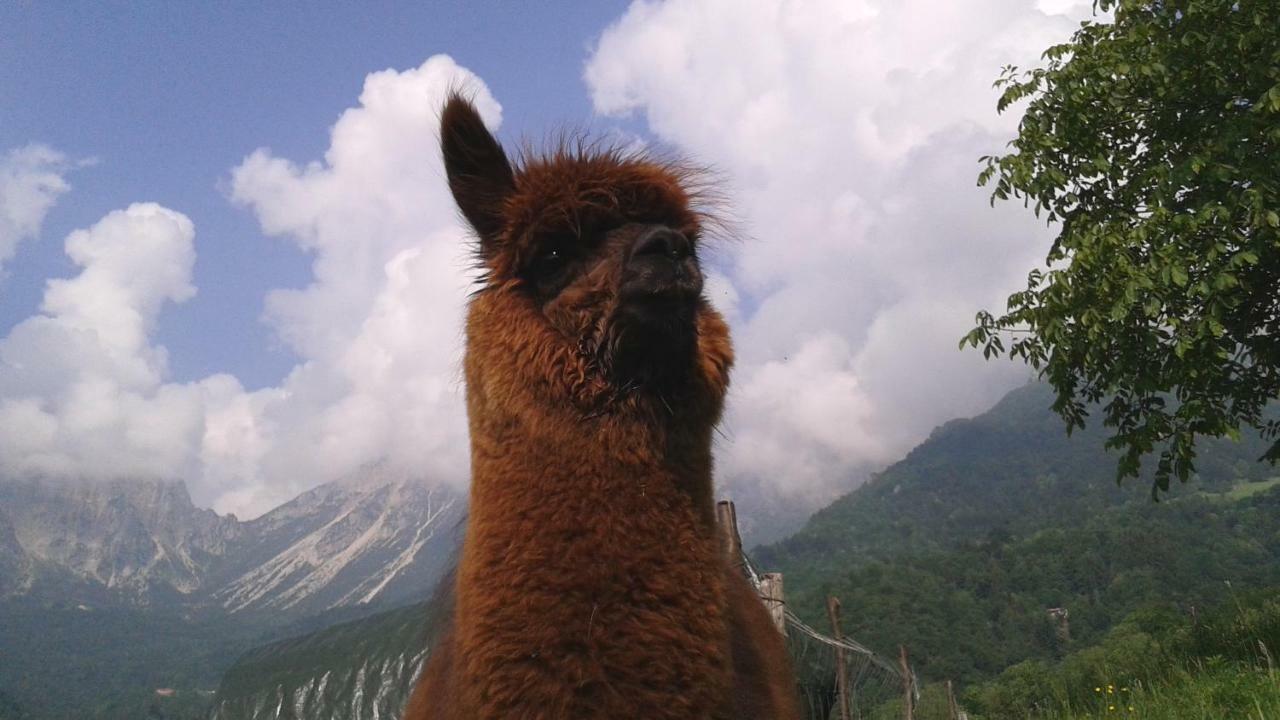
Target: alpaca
(591, 584)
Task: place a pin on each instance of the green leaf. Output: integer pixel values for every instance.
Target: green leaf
(1151, 138)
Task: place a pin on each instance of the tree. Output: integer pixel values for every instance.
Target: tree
(1152, 141)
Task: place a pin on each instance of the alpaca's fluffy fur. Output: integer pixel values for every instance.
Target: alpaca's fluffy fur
(591, 584)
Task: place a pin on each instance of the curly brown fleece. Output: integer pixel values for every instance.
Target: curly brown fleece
(591, 584)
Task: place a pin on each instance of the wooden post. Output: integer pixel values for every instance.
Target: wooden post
(771, 594)
(842, 672)
(953, 711)
(908, 698)
(730, 540)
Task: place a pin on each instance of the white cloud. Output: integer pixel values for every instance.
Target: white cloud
(1072, 8)
(849, 132)
(31, 179)
(379, 329)
(85, 392)
(82, 389)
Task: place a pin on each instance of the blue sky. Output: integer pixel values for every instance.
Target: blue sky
(168, 97)
(255, 280)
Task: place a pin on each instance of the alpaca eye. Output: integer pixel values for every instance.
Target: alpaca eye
(549, 264)
(549, 270)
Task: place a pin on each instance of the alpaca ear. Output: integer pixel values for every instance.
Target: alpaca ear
(479, 173)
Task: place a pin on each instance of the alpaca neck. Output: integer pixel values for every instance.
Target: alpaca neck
(588, 562)
(606, 477)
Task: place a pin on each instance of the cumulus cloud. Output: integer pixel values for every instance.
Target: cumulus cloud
(83, 391)
(378, 330)
(31, 179)
(849, 132)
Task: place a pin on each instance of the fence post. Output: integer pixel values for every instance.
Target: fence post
(771, 593)
(908, 699)
(730, 541)
(842, 672)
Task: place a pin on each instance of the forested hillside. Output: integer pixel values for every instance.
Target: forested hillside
(959, 550)
(362, 669)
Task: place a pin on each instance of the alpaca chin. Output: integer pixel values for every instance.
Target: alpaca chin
(652, 345)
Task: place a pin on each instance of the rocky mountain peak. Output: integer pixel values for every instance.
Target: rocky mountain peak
(143, 541)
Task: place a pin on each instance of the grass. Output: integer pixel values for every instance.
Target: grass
(1239, 490)
(1155, 665)
(1247, 489)
(1216, 690)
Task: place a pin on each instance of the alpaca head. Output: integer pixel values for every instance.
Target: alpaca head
(592, 284)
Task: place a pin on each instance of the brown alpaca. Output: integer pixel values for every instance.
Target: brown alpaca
(591, 584)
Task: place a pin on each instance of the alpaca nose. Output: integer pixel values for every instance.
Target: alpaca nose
(662, 241)
(660, 266)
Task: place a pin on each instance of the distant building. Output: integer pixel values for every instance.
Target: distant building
(1062, 622)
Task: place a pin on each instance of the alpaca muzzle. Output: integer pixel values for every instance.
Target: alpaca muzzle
(660, 274)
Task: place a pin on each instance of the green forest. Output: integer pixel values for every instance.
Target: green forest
(960, 550)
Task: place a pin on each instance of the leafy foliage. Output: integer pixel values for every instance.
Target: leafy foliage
(1152, 141)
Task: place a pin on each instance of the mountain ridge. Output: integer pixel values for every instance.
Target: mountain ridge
(141, 542)
(127, 587)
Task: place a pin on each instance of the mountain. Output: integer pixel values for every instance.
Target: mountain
(958, 551)
(126, 587)
(141, 543)
(141, 540)
(962, 548)
(15, 565)
(1008, 472)
(336, 546)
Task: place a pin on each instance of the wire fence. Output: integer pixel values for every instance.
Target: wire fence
(871, 682)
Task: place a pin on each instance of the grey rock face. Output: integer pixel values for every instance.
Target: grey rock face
(15, 566)
(138, 538)
(337, 546)
(143, 542)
